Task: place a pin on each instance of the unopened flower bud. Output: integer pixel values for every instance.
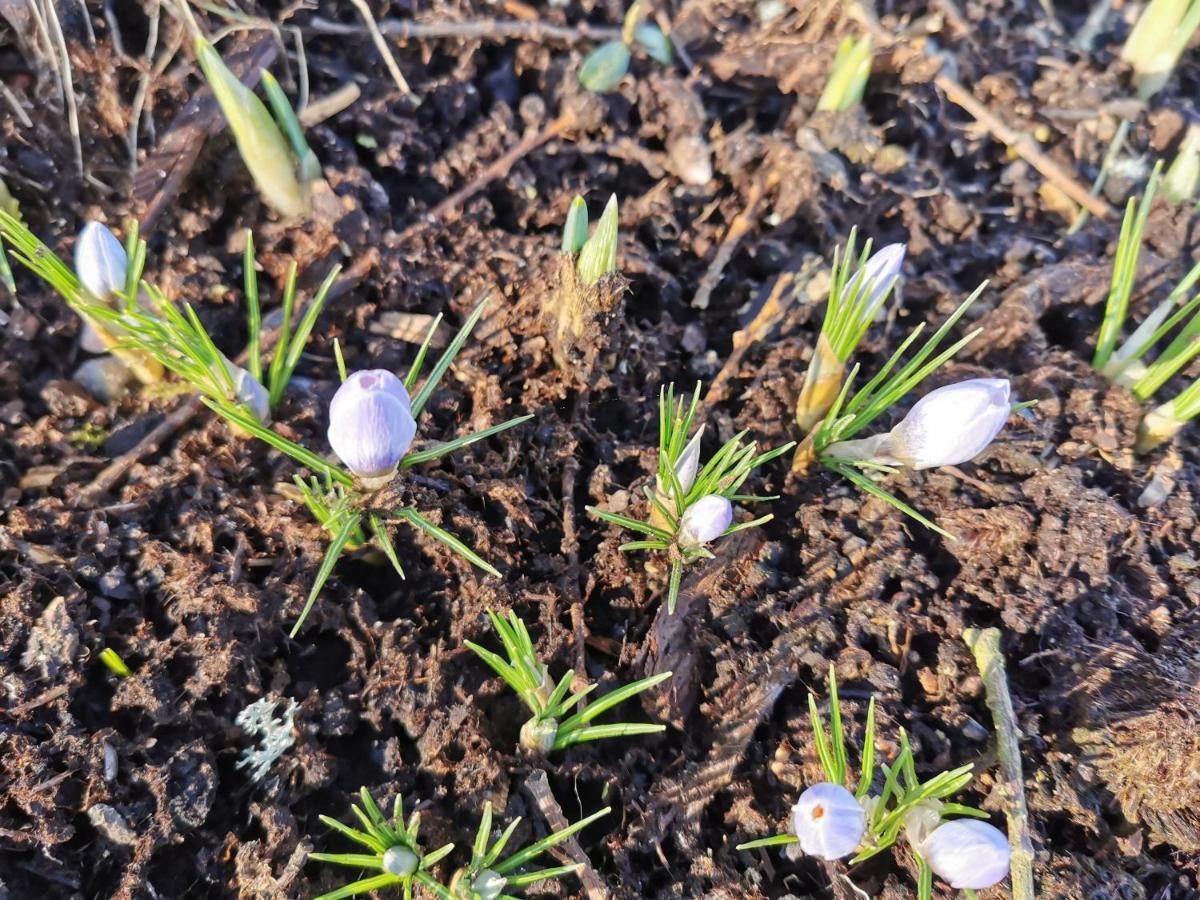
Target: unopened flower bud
(100, 261)
(370, 423)
(400, 861)
(828, 821)
(248, 391)
(967, 853)
(877, 276)
(539, 734)
(688, 463)
(704, 521)
(952, 424)
(488, 884)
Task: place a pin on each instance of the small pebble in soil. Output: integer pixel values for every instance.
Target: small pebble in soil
(111, 824)
(106, 378)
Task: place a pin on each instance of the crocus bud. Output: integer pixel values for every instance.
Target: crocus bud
(539, 734)
(100, 261)
(488, 884)
(829, 821)
(688, 463)
(248, 391)
(400, 861)
(967, 853)
(879, 274)
(704, 521)
(370, 423)
(952, 424)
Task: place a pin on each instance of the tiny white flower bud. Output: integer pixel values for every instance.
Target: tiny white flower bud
(952, 424)
(688, 463)
(487, 885)
(400, 861)
(829, 821)
(248, 391)
(704, 521)
(100, 261)
(967, 853)
(879, 274)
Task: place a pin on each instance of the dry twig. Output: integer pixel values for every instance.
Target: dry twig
(985, 645)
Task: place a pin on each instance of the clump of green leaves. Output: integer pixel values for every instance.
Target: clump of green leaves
(348, 509)
(853, 412)
(553, 725)
(153, 334)
(394, 852)
(488, 877)
(854, 817)
(859, 286)
(607, 64)
(1125, 362)
(691, 506)
(848, 78)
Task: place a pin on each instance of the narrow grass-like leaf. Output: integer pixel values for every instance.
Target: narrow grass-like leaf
(336, 546)
(602, 704)
(253, 310)
(538, 848)
(443, 364)
(775, 840)
(422, 456)
(413, 517)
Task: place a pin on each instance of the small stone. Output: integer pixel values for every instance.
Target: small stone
(53, 641)
(111, 824)
(106, 378)
(65, 399)
(691, 159)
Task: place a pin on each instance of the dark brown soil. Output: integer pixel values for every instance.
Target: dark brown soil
(194, 564)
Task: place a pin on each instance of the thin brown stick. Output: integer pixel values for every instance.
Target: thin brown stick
(495, 30)
(1024, 146)
(497, 169)
(985, 645)
(538, 787)
(381, 45)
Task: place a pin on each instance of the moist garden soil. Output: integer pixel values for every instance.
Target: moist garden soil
(192, 559)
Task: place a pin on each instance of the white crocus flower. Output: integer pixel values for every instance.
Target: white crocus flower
(879, 274)
(704, 521)
(968, 854)
(100, 265)
(828, 821)
(688, 463)
(100, 261)
(948, 426)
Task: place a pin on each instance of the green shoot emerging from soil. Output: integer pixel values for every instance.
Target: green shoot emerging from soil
(607, 64)
(845, 817)
(1124, 363)
(394, 852)
(488, 877)
(112, 659)
(553, 725)
(691, 506)
(848, 79)
(859, 286)
(350, 504)
(831, 443)
(274, 150)
(1163, 31)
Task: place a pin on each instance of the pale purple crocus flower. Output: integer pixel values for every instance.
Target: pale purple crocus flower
(828, 821)
(704, 521)
(371, 425)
